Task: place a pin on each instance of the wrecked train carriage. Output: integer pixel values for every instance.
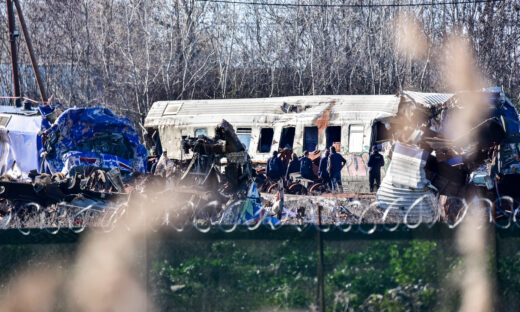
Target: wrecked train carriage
(68, 138)
(91, 137)
(267, 124)
(438, 145)
(50, 143)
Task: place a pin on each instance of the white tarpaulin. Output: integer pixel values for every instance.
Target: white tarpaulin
(24, 140)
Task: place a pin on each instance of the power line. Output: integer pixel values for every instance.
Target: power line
(349, 5)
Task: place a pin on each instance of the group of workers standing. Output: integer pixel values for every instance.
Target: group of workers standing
(329, 169)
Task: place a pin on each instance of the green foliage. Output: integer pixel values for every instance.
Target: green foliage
(509, 274)
(232, 278)
(415, 263)
(229, 276)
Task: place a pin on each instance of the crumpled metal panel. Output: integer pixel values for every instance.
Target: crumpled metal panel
(407, 167)
(77, 159)
(84, 130)
(405, 189)
(427, 99)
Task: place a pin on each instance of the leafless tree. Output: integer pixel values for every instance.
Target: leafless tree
(126, 54)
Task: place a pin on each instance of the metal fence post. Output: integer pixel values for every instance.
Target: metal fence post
(320, 293)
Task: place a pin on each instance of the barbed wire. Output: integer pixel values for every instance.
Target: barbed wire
(364, 216)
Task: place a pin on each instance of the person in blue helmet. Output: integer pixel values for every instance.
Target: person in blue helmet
(306, 166)
(275, 167)
(335, 164)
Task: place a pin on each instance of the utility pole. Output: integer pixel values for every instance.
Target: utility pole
(28, 43)
(14, 57)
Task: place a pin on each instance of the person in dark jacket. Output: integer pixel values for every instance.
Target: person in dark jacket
(335, 164)
(306, 166)
(285, 156)
(375, 162)
(274, 169)
(294, 166)
(322, 170)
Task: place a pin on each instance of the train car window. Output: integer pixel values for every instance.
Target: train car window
(244, 135)
(201, 131)
(310, 138)
(4, 120)
(172, 109)
(355, 142)
(287, 137)
(333, 134)
(266, 139)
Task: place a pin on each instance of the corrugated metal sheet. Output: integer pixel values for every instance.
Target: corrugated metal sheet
(405, 189)
(414, 204)
(428, 99)
(407, 167)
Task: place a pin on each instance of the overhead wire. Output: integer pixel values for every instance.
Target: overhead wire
(344, 5)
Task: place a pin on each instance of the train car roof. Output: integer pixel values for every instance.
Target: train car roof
(20, 120)
(282, 109)
(276, 106)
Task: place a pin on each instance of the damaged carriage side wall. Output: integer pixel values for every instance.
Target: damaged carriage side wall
(90, 137)
(299, 122)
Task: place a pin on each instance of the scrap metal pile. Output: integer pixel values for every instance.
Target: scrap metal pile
(203, 191)
(464, 146)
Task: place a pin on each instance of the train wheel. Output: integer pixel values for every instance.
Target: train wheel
(273, 188)
(297, 189)
(318, 188)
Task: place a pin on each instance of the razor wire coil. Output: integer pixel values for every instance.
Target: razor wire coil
(365, 217)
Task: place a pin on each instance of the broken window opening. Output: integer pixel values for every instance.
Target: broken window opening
(244, 135)
(355, 142)
(333, 134)
(4, 120)
(266, 139)
(380, 133)
(201, 131)
(310, 138)
(172, 109)
(157, 143)
(287, 137)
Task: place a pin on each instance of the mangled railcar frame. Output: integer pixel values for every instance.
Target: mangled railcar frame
(463, 147)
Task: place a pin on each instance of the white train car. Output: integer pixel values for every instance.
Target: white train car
(266, 124)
